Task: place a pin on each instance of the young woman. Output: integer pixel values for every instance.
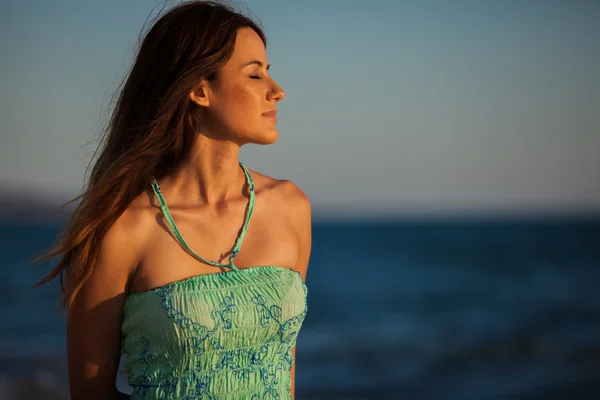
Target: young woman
(179, 255)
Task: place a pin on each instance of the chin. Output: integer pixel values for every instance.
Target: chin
(266, 137)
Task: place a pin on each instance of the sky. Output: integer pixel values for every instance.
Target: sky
(392, 107)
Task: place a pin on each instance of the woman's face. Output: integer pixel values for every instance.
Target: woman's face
(240, 104)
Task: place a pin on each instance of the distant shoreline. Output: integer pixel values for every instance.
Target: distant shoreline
(40, 207)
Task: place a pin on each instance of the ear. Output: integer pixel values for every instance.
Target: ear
(199, 94)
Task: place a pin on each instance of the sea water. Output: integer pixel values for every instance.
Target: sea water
(481, 309)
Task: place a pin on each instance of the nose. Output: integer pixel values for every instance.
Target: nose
(276, 93)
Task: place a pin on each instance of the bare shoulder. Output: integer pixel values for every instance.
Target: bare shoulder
(129, 233)
(132, 229)
(295, 207)
(121, 246)
(297, 204)
(284, 193)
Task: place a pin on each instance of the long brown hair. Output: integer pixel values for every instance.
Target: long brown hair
(152, 127)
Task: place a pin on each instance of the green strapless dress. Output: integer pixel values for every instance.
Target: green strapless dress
(225, 335)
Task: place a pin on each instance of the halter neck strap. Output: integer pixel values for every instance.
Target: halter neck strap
(181, 240)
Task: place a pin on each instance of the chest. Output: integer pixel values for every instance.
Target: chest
(268, 240)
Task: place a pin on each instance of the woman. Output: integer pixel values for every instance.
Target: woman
(153, 259)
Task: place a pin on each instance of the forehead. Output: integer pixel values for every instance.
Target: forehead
(248, 46)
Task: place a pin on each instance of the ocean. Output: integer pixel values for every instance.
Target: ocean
(431, 309)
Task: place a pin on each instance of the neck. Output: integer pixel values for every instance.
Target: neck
(211, 174)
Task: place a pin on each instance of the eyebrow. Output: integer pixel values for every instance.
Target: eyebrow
(257, 62)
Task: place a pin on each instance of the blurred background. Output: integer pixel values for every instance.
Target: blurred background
(450, 153)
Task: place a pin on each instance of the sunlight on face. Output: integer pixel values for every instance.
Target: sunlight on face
(243, 99)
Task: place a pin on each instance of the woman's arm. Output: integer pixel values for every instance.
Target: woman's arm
(94, 318)
(302, 215)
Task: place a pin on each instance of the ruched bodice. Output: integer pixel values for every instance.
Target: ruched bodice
(218, 336)
(224, 335)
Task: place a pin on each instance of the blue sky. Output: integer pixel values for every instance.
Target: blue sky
(421, 107)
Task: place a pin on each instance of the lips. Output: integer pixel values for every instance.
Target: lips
(271, 113)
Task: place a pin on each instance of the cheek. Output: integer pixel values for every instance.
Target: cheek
(237, 110)
(241, 104)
